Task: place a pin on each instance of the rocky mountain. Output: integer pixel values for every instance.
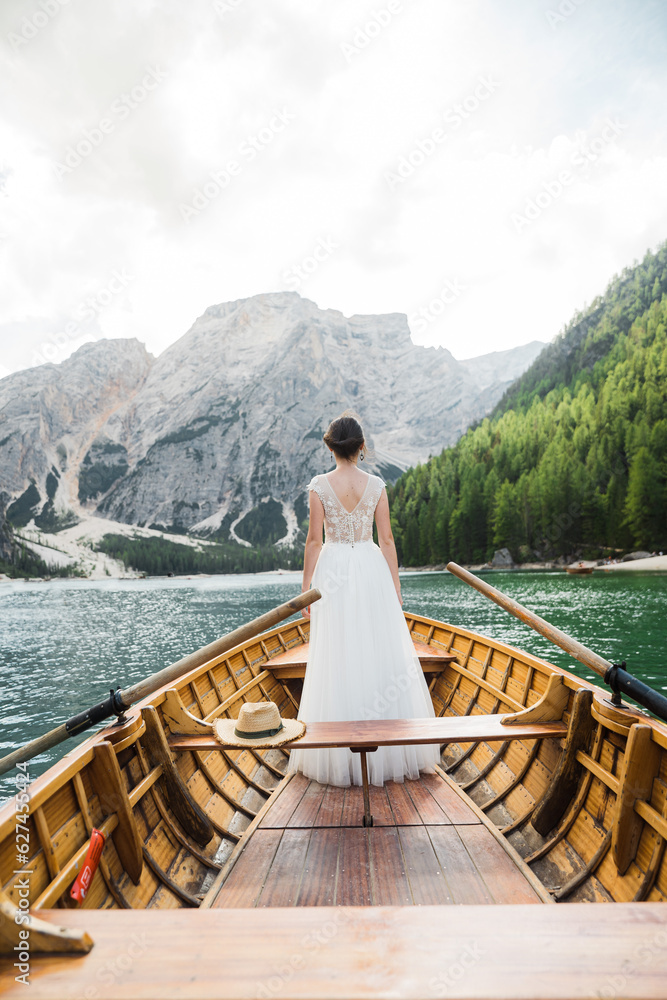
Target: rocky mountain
(6, 544)
(221, 433)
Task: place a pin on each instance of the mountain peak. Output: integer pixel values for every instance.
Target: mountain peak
(224, 429)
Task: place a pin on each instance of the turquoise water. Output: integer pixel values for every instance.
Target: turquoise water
(64, 643)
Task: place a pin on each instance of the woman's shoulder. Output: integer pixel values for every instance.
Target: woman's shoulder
(379, 481)
(316, 482)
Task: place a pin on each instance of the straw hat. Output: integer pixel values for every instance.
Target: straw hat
(259, 725)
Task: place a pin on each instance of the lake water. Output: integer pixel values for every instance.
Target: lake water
(63, 644)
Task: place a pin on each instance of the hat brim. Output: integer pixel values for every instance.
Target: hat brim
(223, 730)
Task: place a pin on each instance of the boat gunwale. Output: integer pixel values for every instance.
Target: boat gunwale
(53, 780)
(427, 630)
(571, 680)
(79, 757)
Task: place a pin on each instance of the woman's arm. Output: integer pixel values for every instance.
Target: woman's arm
(313, 543)
(386, 540)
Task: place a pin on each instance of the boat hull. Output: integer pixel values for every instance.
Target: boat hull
(585, 814)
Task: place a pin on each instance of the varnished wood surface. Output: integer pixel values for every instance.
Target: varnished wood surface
(398, 732)
(426, 847)
(484, 678)
(306, 803)
(489, 953)
(292, 662)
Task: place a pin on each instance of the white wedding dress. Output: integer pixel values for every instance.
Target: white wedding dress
(361, 661)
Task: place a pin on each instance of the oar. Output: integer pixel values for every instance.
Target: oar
(118, 700)
(612, 674)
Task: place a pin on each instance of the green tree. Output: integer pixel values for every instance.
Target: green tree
(644, 503)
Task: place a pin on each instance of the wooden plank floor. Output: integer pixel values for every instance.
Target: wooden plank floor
(426, 847)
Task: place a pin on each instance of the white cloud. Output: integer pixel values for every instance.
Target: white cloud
(221, 74)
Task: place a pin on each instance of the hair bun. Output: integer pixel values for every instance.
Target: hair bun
(344, 436)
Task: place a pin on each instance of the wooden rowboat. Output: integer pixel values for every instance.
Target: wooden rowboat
(579, 569)
(224, 877)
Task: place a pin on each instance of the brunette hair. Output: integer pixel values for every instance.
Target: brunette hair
(344, 436)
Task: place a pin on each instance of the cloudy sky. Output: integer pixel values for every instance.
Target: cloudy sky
(484, 166)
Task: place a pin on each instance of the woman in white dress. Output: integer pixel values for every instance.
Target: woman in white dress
(361, 661)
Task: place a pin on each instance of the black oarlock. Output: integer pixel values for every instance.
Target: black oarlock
(621, 680)
(98, 713)
(611, 678)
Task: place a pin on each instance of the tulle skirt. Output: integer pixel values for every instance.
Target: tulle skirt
(361, 665)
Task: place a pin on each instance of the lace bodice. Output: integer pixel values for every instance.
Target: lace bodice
(348, 526)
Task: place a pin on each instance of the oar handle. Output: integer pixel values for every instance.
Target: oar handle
(562, 639)
(123, 699)
(151, 684)
(34, 748)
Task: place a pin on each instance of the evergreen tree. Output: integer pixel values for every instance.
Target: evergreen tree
(575, 456)
(644, 503)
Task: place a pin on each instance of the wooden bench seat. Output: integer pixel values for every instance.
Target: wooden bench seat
(292, 662)
(398, 732)
(365, 737)
(487, 952)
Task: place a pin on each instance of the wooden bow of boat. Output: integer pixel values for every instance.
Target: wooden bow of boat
(578, 816)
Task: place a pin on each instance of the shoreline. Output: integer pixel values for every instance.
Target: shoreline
(653, 564)
(76, 547)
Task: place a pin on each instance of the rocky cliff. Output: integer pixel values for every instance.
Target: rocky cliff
(222, 432)
(6, 542)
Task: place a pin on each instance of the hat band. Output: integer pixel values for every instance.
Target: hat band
(244, 735)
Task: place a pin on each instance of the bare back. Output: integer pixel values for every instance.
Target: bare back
(348, 483)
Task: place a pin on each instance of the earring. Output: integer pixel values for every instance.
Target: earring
(361, 457)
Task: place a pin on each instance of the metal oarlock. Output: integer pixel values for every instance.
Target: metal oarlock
(621, 681)
(113, 705)
(119, 700)
(612, 680)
